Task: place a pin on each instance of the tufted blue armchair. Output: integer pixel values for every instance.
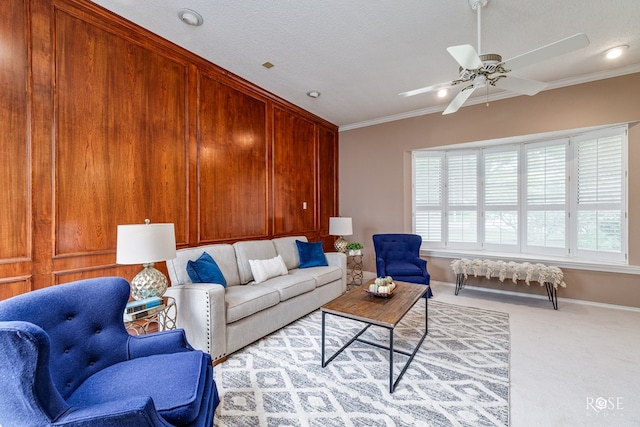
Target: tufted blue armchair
(67, 360)
(398, 256)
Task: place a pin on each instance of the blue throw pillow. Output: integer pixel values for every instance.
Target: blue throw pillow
(205, 270)
(311, 254)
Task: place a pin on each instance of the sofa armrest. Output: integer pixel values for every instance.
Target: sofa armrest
(339, 259)
(163, 342)
(202, 315)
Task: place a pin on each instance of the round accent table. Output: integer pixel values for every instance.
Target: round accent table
(354, 270)
(161, 320)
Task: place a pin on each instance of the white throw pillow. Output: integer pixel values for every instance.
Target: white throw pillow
(263, 269)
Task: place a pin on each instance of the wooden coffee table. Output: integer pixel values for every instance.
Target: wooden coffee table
(385, 312)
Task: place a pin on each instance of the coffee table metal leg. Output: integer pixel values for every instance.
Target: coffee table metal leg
(391, 386)
(337, 353)
(322, 346)
(411, 355)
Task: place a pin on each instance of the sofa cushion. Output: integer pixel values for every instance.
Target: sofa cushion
(245, 300)
(263, 269)
(290, 286)
(321, 275)
(223, 254)
(287, 248)
(311, 254)
(205, 270)
(140, 377)
(255, 249)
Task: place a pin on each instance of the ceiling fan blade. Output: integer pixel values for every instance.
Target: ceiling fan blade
(459, 100)
(466, 56)
(517, 85)
(425, 89)
(549, 51)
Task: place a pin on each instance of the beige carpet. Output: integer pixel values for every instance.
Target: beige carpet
(578, 366)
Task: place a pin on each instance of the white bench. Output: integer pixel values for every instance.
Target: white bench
(549, 276)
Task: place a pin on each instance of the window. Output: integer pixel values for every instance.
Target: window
(546, 197)
(427, 196)
(561, 197)
(462, 198)
(501, 198)
(599, 202)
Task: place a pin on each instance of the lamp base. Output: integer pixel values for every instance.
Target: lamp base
(148, 283)
(341, 244)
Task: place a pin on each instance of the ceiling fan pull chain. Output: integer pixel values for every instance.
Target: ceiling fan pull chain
(487, 95)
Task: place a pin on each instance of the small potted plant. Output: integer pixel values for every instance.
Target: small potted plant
(354, 248)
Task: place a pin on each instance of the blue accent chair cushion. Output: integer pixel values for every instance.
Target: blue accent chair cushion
(311, 254)
(398, 256)
(205, 270)
(67, 360)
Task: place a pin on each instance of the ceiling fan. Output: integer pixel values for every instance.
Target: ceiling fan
(489, 68)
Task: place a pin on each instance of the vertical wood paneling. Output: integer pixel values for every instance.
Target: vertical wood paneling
(104, 123)
(293, 173)
(232, 163)
(327, 178)
(121, 141)
(14, 286)
(14, 143)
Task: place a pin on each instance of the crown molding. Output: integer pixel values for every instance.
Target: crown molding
(601, 75)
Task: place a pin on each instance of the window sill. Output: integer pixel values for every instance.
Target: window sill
(556, 261)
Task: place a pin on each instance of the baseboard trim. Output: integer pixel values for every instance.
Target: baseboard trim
(543, 297)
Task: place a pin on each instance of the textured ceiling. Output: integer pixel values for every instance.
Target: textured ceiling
(360, 54)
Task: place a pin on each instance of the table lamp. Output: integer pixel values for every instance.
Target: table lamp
(145, 244)
(340, 226)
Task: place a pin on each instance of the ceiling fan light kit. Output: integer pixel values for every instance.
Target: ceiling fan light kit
(443, 92)
(488, 69)
(615, 52)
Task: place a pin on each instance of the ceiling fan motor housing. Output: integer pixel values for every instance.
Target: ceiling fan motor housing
(489, 62)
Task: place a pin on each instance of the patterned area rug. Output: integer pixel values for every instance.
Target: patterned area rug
(459, 377)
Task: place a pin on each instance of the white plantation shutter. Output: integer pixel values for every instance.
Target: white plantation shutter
(546, 197)
(562, 197)
(462, 197)
(599, 193)
(501, 197)
(427, 178)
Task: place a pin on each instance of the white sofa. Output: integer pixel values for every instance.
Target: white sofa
(221, 320)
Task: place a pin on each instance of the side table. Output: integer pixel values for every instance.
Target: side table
(163, 320)
(354, 270)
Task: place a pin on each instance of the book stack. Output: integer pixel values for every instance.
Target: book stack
(140, 309)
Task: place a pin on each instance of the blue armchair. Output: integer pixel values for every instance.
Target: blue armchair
(398, 256)
(67, 360)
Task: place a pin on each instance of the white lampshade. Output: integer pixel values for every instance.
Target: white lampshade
(340, 226)
(145, 243)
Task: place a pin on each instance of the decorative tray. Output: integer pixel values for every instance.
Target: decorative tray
(381, 295)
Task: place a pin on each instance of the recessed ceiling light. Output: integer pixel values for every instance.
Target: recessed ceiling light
(615, 52)
(267, 65)
(313, 94)
(442, 93)
(190, 17)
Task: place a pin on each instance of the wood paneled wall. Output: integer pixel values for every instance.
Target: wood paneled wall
(103, 123)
